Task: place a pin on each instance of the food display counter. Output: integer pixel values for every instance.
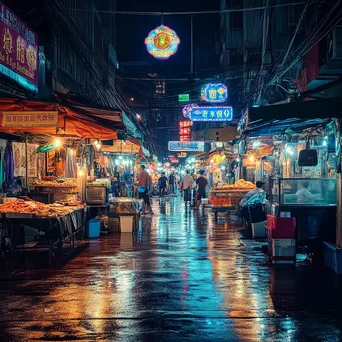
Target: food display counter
(54, 222)
(312, 201)
(61, 190)
(225, 198)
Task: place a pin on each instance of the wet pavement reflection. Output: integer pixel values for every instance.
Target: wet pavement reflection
(182, 276)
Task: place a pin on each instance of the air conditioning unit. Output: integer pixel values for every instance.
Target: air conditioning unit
(337, 42)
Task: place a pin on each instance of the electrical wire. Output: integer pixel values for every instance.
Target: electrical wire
(161, 14)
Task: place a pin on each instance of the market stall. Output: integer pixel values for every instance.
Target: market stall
(225, 198)
(49, 224)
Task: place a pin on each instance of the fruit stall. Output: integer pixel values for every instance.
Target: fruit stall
(225, 198)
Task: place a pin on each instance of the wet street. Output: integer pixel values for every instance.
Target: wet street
(182, 277)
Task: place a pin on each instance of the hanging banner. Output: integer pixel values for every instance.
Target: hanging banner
(18, 50)
(223, 113)
(162, 42)
(189, 146)
(29, 119)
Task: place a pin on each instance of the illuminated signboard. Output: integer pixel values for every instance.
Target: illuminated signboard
(185, 130)
(18, 50)
(223, 113)
(214, 92)
(183, 97)
(188, 146)
(182, 155)
(162, 42)
(28, 119)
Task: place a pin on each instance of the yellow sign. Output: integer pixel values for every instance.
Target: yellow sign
(29, 119)
(182, 155)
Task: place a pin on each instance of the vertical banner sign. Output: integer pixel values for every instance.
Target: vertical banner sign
(18, 50)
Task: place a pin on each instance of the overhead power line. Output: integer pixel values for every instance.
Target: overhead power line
(229, 10)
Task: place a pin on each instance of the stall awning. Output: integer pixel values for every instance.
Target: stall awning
(311, 109)
(72, 122)
(121, 146)
(263, 128)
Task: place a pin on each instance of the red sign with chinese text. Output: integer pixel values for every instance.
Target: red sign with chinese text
(18, 50)
(28, 119)
(185, 130)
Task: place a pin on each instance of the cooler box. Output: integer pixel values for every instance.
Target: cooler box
(93, 228)
(126, 224)
(281, 227)
(259, 229)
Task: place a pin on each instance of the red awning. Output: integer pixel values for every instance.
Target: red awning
(71, 121)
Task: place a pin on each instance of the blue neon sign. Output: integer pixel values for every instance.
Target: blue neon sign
(222, 113)
(214, 92)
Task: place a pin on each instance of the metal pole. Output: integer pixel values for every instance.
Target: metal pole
(192, 46)
(26, 164)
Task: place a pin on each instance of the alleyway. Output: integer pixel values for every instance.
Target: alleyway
(183, 278)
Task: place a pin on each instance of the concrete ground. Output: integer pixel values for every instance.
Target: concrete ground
(182, 277)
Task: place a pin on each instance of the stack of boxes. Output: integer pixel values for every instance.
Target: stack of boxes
(281, 233)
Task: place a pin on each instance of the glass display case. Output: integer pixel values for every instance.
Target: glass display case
(304, 191)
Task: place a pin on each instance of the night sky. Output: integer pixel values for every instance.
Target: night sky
(132, 30)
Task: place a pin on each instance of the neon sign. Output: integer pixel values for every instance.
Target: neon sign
(162, 42)
(188, 146)
(214, 93)
(223, 113)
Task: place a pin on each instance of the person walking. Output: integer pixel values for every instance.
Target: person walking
(144, 190)
(187, 182)
(162, 183)
(172, 181)
(202, 183)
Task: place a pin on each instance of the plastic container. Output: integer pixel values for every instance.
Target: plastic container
(283, 251)
(259, 229)
(281, 227)
(93, 228)
(126, 224)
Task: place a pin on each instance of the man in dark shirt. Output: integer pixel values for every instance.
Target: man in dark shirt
(202, 183)
(162, 182)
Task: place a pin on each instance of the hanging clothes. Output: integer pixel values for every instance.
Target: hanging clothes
(2, 169)
(9, 164)
(70, 167)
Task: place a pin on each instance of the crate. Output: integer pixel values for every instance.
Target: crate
(259, 229)
(114, 224)
(93, 228)
(283, 251)
(96, 195)
(333, 257)
(281, 227)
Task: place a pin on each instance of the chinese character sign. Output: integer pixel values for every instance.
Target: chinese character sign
(185, 130)
(189, 146)
(162, 42)
(18, 50)
(28, 119)
(214, 92)
(223, 113)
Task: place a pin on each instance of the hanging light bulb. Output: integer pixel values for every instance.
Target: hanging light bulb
(58, 142)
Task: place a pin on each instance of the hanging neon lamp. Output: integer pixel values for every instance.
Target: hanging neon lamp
(162, 42)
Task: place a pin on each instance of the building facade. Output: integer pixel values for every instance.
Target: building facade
(77, 52)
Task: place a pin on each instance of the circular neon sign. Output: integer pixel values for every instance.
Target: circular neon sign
(162, 42)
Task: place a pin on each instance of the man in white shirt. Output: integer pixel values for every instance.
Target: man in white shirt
(187, 184)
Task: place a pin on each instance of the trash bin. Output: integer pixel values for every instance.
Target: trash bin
(93, 228)
(126, 224)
